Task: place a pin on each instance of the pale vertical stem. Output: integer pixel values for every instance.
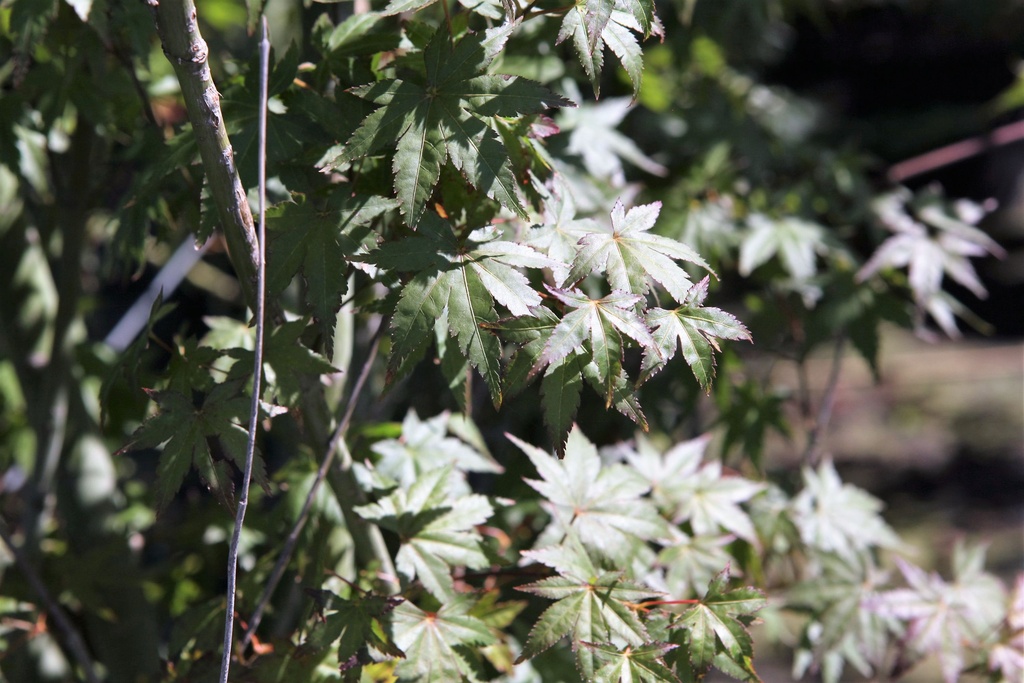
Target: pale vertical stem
(257, 371)
(187, 51)
(337, 445)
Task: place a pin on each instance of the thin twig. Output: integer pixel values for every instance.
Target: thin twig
(70, 637)
(184, 46)
(257, 372)
(285, 556)
(956, 152)
(828, 401)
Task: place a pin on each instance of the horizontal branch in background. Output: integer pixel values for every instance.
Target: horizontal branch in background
(956, 152)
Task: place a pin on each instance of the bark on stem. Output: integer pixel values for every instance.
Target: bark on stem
(185, 48)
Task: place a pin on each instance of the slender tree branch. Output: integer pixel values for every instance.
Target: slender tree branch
(185, 48)
(956, 152)
(257, 371)
(337, 440)
(188, 53)
(68, 635)
(813, 451)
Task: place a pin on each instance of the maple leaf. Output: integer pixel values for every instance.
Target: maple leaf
(354, 624)
(794, 240)
(644, 664)
(632, 257)
(931, 240)
(842, 627)
(318, 238)
(559, 235)
(837, 517)
(594, 137)
(437, 530)
(425, 445)
(601, 322)
(695, 329)
(187, 431)
(595, 24)
(592, 606)
(463, 276)
(443, 115)
(431, 640)
(1007, 656)
(944, 619)
(716, 628)
(601, 505)
(694, 492)
(562, 382)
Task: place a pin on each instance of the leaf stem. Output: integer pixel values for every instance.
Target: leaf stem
(257, 372)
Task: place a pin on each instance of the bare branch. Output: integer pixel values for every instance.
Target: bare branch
(185, 48)
(68, 636)
(257, 370)
(812, 452)
(337, 441)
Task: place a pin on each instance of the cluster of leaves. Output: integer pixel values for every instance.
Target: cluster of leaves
(642, 555)
(435, 168)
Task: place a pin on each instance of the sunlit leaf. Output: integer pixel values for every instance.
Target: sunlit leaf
(463, 276)
(632, 257)
(431, 640)
(602, 505)
(437, 530)
(695, 329)
(592, 606)
(717, 625)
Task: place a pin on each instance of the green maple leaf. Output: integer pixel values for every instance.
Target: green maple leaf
(644, 664)
(562, 382)
(444, 115)
(601, 505)
(462, 278)
(632, 257)
(318, 239)
(595, 24)
(286, 358)
(602, 323)
(695, 329)
(563, 377)
(355, 624)
(716, 627)
(187, 429)
(432, 640)
(436, 529)
(592, 605)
